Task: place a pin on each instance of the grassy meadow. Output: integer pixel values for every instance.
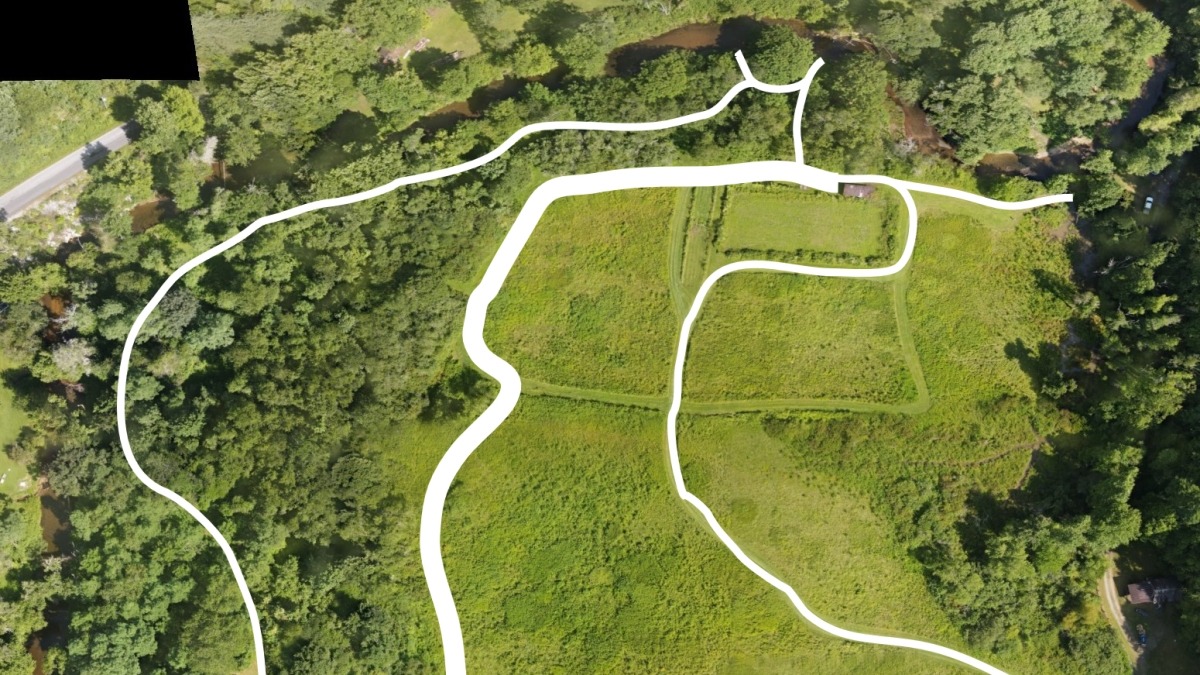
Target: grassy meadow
(565, 543)
(791, 219)
(768, 335)
(810, 530)
(981, 299)
(448, 31)
(569, 552)
(588, 302)
(981, 302)
(12, 419)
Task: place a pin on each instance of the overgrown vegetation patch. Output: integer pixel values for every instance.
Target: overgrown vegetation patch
(768, 335)
(588, 302)
(568, 550)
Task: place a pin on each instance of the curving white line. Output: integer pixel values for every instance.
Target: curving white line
(510, 380)
(801, 101)
(139, 322)
(431, 517)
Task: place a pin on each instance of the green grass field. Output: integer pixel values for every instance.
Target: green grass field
(789, 219)
(588, 302)
(569, 552)
(923, 376)
(980, 291)
(448, 31)
(767, 335)
(11, 422)
(980, 299)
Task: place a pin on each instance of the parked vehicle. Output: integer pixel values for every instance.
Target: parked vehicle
(1149, 205)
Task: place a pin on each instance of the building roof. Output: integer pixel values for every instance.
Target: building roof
(856, 190)
(1155, 591)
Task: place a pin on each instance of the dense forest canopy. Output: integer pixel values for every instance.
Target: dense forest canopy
(261, 379)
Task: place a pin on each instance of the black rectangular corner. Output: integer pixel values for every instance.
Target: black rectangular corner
(88, 40)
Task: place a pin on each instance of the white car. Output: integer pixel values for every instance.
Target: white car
(1148, 205)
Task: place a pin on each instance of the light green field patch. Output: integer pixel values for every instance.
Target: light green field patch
(12, 420)
(770, 335)
(792, 219)
(569, 552)
(16, 481)
(588, 302)
(448, 31)
(810, 530)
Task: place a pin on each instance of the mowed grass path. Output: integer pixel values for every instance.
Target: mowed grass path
(569, 552)
(588, 302)
(792, 219)
(770, 335)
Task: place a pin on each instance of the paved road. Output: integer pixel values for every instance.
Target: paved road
(15, 201)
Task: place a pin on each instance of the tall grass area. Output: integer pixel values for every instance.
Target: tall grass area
(770, 335)
(568, 551)
(588, 302)
(980, 297)
(808, 529)
(566, 546)
(52, 118)
(985, 294)
(217, 37)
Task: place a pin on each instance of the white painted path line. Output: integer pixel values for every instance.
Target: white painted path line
(510, 380)
(140, 321)
(476, 311)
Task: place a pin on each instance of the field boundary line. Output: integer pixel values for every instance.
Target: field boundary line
(681, 217)
(732, 407)
(647, 401)
(908, 344)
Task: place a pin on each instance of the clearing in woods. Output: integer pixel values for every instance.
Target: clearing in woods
(791, 220)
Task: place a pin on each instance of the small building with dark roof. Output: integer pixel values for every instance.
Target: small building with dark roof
(856, 190)
(1155, 591)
